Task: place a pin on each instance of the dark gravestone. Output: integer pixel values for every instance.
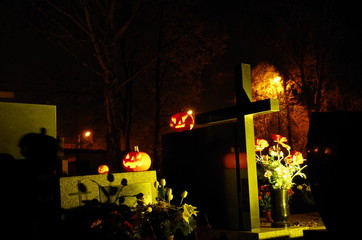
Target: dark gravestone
(334, 168)
(194, 160)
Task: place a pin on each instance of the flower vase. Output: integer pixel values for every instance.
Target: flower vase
(280, 208)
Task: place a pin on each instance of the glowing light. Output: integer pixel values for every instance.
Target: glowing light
(277, 79)
(87, 134)
(275, 85)
(267, 82)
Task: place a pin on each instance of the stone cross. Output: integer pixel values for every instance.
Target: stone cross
(242, 114)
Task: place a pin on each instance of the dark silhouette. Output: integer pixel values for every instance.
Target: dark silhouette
(32, 189)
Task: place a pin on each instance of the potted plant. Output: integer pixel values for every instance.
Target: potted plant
(279, 166)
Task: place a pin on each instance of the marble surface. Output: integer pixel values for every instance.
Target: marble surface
(138, 182)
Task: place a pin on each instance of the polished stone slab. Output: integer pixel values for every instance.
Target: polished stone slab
(76, 189)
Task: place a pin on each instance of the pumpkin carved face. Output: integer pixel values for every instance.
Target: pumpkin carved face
(136, 161)
(182, 121)
(103, 169)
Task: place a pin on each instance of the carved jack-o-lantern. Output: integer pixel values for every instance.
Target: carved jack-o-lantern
(230, 161)
(103, 169)
(136, 161)
(182, 121)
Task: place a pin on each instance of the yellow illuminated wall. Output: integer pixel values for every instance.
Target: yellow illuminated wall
(18, 119)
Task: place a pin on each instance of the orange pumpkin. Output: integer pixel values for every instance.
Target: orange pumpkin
(230, 162)
(103, 169)
(136, 161)
(182, 121)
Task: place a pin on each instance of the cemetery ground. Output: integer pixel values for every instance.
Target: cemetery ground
(39, 219)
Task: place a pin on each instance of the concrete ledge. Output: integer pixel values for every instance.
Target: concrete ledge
(262, 233)
(301, 224)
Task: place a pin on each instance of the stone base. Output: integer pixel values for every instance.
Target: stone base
(319, 234)
(262, 233)
(301, 226)
(280, 224)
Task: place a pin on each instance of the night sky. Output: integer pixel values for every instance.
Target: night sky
(40, 72)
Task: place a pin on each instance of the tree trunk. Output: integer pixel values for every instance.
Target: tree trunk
(127, 117)
(157, 165)
(112, 105)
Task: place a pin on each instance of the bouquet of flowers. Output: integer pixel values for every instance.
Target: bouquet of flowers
(279, 164)
(113, 219)
(165, 218)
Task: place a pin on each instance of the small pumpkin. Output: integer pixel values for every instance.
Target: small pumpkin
(136, 161)
(103, 169)
(182, 121)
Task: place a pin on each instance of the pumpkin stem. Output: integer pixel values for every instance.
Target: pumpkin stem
(136, 149)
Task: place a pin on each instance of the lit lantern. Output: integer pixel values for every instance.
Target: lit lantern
(136, 161)
(103, 169)
(182, 121)
(230, 161)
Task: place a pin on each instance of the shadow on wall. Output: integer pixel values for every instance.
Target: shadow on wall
(31, 187)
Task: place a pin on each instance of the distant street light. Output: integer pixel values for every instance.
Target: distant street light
(276, 84)
(86, 135)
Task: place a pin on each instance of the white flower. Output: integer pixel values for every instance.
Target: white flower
(169, 194)
(184, 194)
(163, 182)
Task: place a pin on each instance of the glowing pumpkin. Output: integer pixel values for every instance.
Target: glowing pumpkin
(136, 161)
(182, 121)
(103, 169)
(230, 162)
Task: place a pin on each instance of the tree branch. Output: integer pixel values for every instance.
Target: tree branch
(162, 51)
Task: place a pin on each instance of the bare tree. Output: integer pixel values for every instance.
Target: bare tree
(176, 85)
(120, 41)
(95, 32)
(302, 41)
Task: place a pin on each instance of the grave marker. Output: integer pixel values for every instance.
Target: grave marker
(138, 182)
(216, 131)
